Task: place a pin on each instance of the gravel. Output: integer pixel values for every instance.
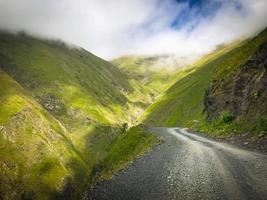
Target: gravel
(188, 166)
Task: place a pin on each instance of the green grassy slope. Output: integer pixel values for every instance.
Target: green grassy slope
(183, 102)
(60, 114)
(151, 76)
(227, 87)
(239, 56)
(34, 146)
(74, 82)
(155, 74)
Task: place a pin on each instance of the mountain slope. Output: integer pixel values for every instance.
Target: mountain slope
(53, 71)
(184, 101)
(156, 73)
(241, 91)
(61, 111)
(235, 101)
(31, 142)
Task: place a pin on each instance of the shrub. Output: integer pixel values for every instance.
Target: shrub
(260, 125)
(226, 117)
(124, 127)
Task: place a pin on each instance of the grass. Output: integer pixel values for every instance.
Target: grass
(239, 56)
(152, 74)
(11, 103)
(183, 100)
(76, 77)
(41, 159)
(61, 111)
(28, 157)
(225, 126)
(183, 103)
(126, 148)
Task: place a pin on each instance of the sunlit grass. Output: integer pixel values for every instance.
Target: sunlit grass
(60, 113)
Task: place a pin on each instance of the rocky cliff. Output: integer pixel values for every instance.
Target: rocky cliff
(242, 93)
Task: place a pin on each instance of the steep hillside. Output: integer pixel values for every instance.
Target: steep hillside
(70, 82)
(61, 116)
(238, 86)
(238, 92)
(156, 73)
(64, 111)
(34, 146)
(183, 101)
(242, 92)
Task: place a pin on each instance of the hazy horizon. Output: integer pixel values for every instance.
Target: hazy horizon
(111, 29)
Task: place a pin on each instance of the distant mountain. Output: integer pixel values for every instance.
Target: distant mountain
(155, 72)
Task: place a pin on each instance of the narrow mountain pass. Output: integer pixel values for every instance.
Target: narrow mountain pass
(188, 166)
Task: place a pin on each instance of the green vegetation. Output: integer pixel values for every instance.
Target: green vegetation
(74, 84)
(66, 115)
(156, 75)
(125, 148)
(152, 72)
(239, 56)
(253, 121)
(226, 117)
(226, 127)
(183, 103)
(31, 142)
(62, 111)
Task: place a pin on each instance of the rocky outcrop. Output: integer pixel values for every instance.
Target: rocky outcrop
(52, 104)
(243, 92)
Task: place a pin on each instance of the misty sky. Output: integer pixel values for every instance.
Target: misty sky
(111, 28)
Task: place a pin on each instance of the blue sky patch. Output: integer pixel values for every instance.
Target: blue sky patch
(194, 12)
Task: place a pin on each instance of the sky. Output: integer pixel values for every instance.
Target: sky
(113, 28)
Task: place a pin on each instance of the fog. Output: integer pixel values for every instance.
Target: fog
(112, 28)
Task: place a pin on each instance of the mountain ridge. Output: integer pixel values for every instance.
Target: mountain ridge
(63, 115)
(69, 118)
(207, 88)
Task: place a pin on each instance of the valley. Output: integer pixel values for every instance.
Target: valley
(64, 114)
(69, 119)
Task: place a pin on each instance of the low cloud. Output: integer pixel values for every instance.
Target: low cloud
(111, 28)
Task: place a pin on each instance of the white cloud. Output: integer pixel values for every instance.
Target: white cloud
(111, 28)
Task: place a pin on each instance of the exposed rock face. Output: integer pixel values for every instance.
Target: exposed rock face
(52, 104)
(243, 93)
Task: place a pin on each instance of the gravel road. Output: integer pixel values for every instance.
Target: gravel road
(188, 166)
